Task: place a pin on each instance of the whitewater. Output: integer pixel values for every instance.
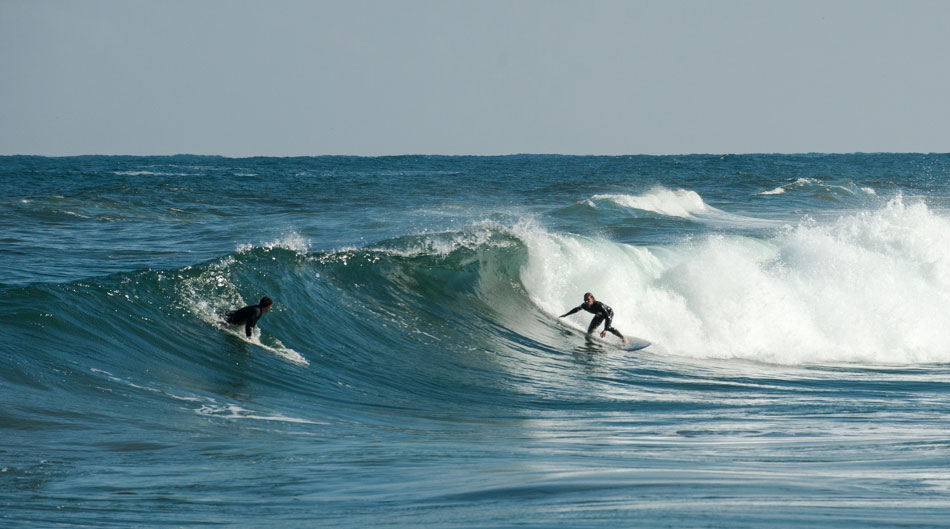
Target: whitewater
(414, 371)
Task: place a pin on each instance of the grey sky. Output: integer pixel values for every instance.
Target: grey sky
(479, 77)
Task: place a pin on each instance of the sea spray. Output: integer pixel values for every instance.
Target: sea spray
(870, 287)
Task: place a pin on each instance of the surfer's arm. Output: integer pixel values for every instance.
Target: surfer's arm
(251, 322)
(572, 311)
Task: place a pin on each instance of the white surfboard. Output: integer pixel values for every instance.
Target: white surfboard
(277, 348)
(635, 344)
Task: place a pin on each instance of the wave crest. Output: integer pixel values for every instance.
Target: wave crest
(679, 203)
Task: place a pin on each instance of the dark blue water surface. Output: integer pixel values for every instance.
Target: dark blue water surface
(414, 371)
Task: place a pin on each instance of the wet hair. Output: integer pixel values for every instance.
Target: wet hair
(266, 302)
(591, 297)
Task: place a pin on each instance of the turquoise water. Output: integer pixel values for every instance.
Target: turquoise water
(414, 373)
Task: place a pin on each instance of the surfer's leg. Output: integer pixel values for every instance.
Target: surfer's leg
(594, 323)
(617, 334)
(609, 328)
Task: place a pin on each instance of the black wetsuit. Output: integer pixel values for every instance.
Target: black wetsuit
(602, 313)
(248, 316)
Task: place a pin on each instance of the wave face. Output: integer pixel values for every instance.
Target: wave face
(414, 367)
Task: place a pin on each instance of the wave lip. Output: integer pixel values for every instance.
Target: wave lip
(679, 203)
(293, 242)
(821, 188)
(683, 204)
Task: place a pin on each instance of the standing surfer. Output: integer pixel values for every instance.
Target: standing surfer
(249, 314)
(601, 312)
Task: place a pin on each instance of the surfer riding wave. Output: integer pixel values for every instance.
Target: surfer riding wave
(601, 312)
(249, 315)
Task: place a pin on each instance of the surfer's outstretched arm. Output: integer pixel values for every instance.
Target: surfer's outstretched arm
(572, 311)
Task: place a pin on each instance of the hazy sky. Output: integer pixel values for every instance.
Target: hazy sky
(477, 77)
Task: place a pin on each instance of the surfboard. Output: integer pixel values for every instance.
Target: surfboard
(277, 348)
(280, 350)
(635, 344)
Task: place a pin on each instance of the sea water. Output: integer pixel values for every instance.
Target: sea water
(414, 371)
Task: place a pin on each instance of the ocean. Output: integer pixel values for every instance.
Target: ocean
(414, 371)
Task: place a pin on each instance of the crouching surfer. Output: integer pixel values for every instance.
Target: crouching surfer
(249, 315)
(601, 312)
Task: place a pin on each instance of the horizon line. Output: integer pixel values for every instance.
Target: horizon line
(238, 157)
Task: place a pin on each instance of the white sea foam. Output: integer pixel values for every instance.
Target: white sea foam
(208, 407)
(869, 287)
(151, 173)
(797, 184)
(802, 183)
(235, 412)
